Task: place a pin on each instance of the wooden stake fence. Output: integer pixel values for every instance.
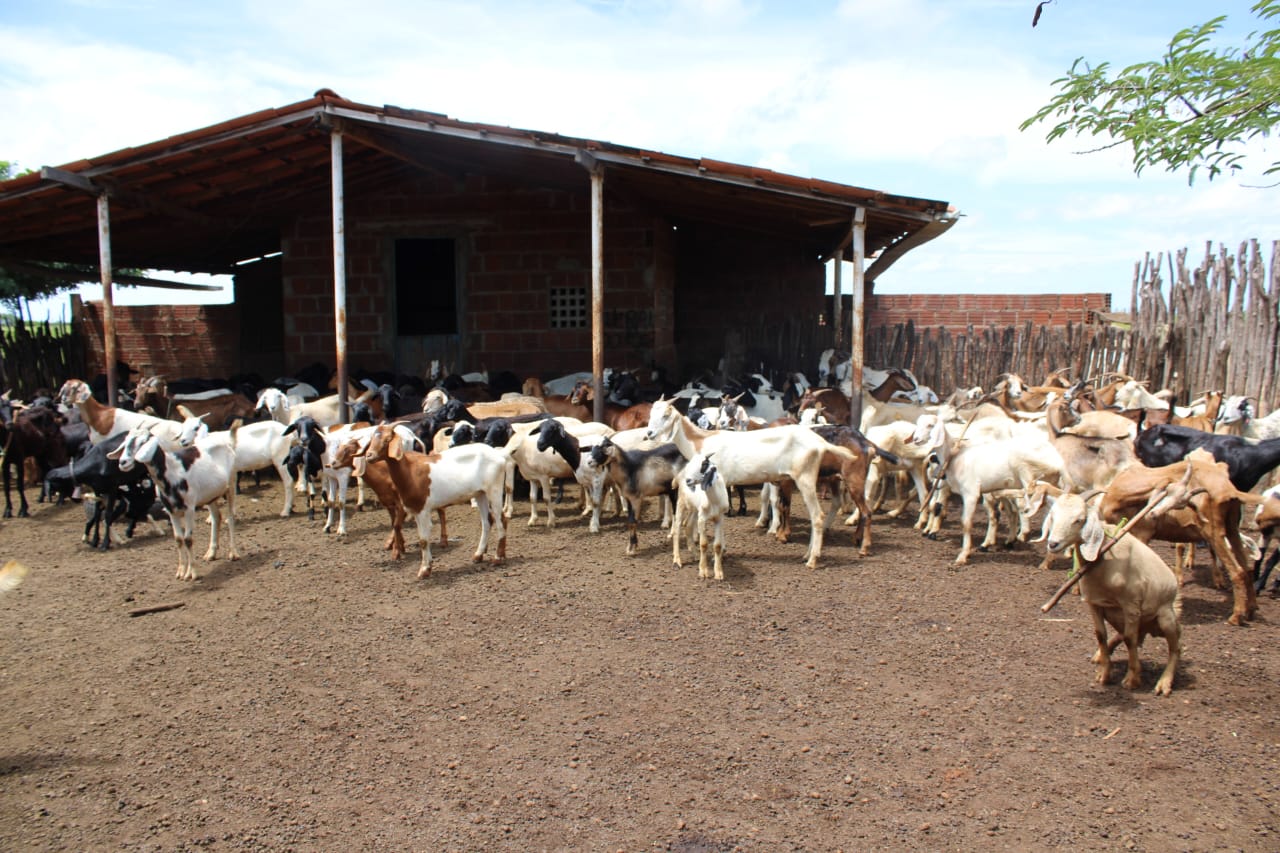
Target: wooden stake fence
(1215, 326)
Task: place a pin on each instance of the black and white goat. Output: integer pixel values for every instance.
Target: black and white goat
(639, 474)
(196, 476)
(704, 502)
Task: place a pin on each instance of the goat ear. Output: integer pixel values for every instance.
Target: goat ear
(395, 448)
(115, 454)
(1091, 537)
(184, 411)
(358, 464)
(293, 427)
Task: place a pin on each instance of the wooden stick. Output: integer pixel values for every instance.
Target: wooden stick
(157, 608)
(1155, 498)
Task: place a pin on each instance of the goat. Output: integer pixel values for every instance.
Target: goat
(100, 473)
(350, 455)
(430, 482)
(541, 465)
(191, 478)
(759, 456)
(220, 405)
(972, 470)
(556, 404)
(638, 474)
(106, 421)
(1240, 411)
(1094, 446)
(1216, 509)
(322, 445)
(1128, 587)
(326, 411)
(1204, 421)
(1268, 521)
(1247, 462)
(262, 444)
(703, 501)
(574, 452)
(136, 502)
(32, 434)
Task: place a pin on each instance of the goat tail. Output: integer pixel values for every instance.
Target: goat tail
(891, 458)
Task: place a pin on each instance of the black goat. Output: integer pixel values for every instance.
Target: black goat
(496, 432)
(32, 433)
(99, 473)
(1247, 462)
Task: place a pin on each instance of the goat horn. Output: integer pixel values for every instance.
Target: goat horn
(1090, 494)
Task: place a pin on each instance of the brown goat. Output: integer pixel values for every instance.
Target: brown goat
(559, 405)
(1213, 516)
(1205, 422)
(378, 478)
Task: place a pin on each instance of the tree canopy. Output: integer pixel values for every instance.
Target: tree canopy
(1199, 107)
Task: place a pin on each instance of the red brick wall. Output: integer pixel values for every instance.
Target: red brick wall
(170, 340)
(517, 243)
(957, 311)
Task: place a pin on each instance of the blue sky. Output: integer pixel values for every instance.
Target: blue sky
(914, 97)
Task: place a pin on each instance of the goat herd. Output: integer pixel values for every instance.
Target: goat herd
(1100, 453)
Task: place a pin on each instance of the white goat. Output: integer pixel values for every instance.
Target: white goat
(193, 477)
(704, 502)
(541, 466)
(1130, 588)
(326, 411)
(1236, 409)
(973, 470)
(257, 445)
(760, 456)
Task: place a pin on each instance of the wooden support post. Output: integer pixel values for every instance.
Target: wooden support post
(857, 342)
(596, 170)
(837, 275)
(108, 297)
(339, 270)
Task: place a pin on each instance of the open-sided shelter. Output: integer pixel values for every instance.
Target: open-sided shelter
(394, 236)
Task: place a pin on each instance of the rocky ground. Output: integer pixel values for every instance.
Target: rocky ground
(317, 696)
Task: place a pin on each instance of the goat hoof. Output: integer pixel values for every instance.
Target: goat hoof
(982, 548)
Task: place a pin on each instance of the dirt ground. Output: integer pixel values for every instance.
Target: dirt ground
(317, 696)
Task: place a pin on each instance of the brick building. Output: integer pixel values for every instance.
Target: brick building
(462, 242)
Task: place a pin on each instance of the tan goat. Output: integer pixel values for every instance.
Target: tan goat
(1129, 588)
(1213, 516)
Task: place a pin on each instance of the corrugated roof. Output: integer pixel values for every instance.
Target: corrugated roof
(205, 199)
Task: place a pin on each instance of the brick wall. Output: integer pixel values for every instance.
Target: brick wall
(957, 311)
(517, 243)
(170, 340)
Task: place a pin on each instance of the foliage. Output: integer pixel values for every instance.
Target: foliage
(1198, 107)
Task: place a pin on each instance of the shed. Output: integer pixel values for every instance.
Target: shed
(479, 245)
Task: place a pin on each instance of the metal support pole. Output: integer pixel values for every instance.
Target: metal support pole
(837, 277)
(597, 290)
(857, 342)
(339, 271)
(108, 297)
